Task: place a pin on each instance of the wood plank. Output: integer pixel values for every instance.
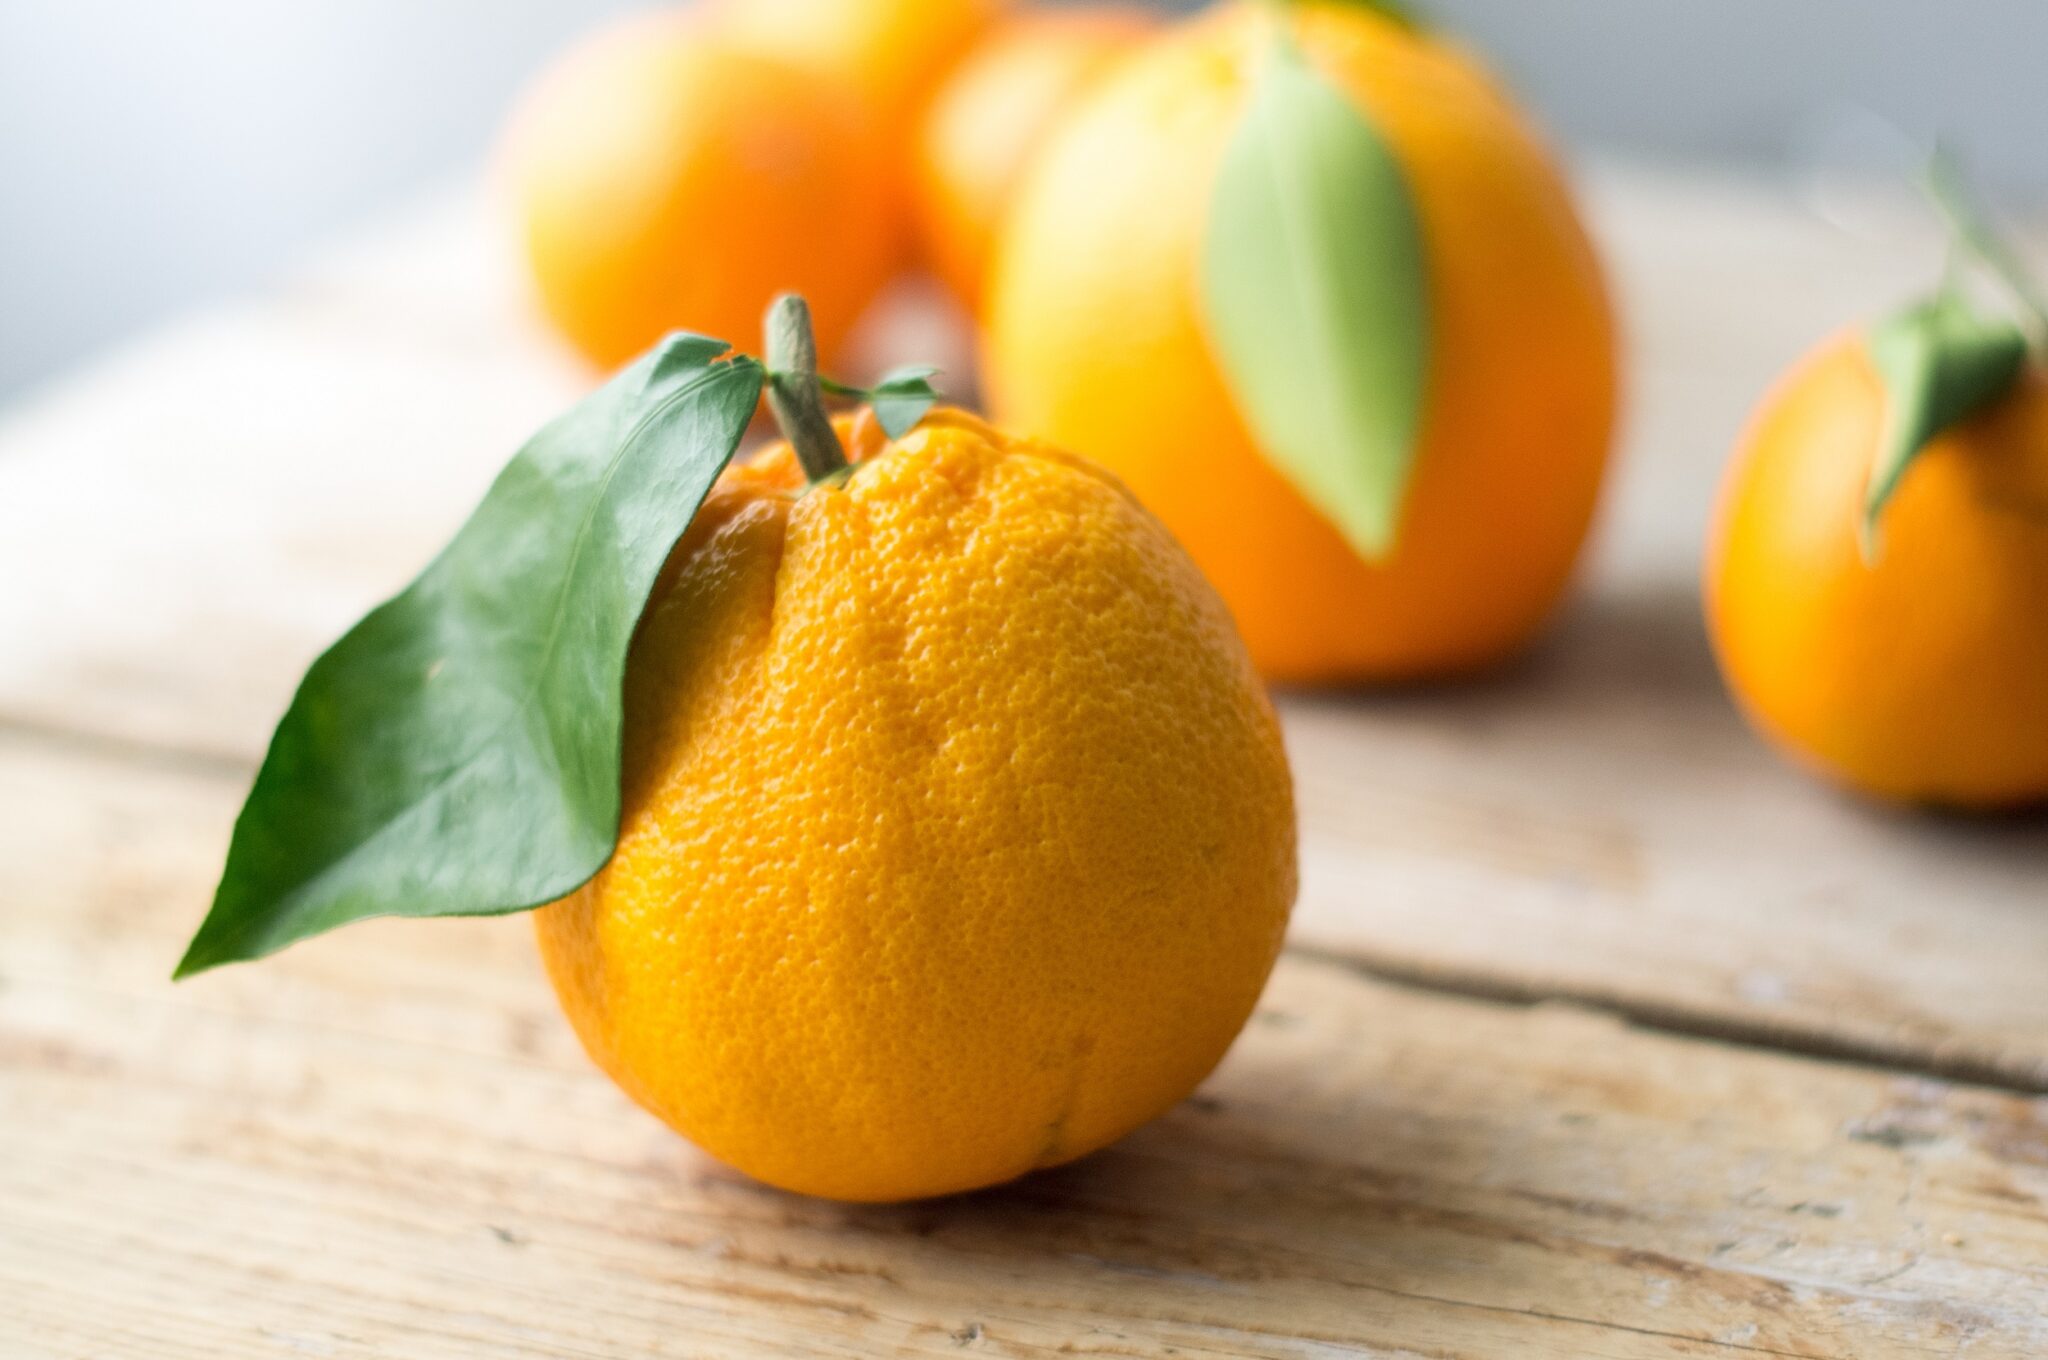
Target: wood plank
(1597, 824)
(383, 1142)
(183, 528)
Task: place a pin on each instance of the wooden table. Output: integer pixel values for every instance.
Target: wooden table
(1601, 1035)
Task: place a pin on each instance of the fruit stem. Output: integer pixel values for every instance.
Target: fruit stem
(793, 393)
(1972, 230)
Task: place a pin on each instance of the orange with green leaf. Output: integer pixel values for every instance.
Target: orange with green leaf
(1302, 276)
(902, 816)
(1877, 578)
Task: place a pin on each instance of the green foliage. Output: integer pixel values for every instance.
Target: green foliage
(1943, 360)
(1314, 290)
(1940, 362)
(900, 399)
(457, 752)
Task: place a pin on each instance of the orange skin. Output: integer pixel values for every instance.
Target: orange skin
(1920, 676)
(998, 108)
(1095, 341)
(890, 54)
(665, 179)
(958, 836)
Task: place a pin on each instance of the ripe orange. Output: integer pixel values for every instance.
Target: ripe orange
(665, 178)
(997, 109)
(958, 836)
(1096, 342)
(1921, 674)
(890, 53)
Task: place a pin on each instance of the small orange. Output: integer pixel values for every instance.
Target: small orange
(1920, 674)
(958, 836)
(666, 178)
(998, 108)
(1096, 341)
(890, 53)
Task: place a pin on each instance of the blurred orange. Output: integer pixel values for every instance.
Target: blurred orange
(1919, 675)
(666, 177)
(1096, 342)
(891, 54)
(996, 110)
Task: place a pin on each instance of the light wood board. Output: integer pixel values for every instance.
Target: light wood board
(384, 1143)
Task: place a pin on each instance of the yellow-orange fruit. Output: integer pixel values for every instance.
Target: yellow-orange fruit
(1919, 675)
(891, 54)
(995, 111)
(1096, 341)
(958, 836)
(666, 178)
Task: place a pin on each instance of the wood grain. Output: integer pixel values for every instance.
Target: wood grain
(384, 1143)
(1597, 824)
(185, 525)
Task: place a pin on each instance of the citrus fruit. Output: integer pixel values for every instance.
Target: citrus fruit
(988, 118)
(890, 53)
(1096, 340)
(1914, 668)
(958, 836)
(665, 177)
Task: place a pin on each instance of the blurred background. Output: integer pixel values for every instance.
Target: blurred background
(156, 155)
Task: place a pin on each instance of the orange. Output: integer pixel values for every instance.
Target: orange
(1922, 674)
(890, 53)
(998, 108)
(958, 836)
(666, 179)
(1096, 342)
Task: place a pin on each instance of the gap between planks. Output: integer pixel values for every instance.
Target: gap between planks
(1676, 1020)
(1679, 1021)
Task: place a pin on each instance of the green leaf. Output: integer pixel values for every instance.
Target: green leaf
(1314, 289)
(457, 752)
(1401, 13)
(899, 400)
(1940, 362)
(902, 397)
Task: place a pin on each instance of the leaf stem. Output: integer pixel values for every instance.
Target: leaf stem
(793, 392)
(1952, 195)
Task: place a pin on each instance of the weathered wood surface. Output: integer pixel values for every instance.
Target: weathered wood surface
(182, 527)
(384, 1142)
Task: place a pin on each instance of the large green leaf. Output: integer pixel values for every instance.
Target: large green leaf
(457, 752)
(1315, 292)
(1940, 362)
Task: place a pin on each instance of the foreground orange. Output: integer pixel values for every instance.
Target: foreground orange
(1096, 341)
(1917, 670)
(988, 119)
(958, 837)
(665, 176)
